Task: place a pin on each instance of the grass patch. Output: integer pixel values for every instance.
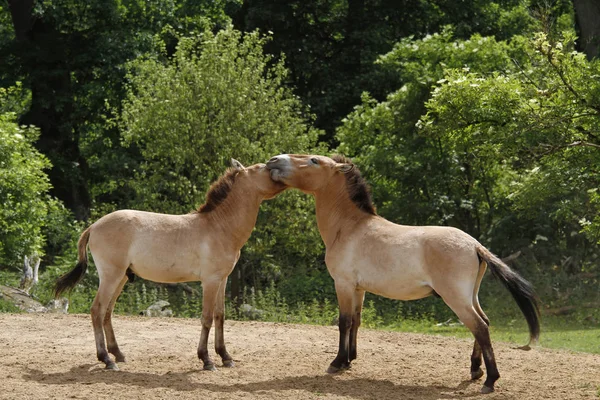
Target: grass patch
(8, 307)
(579, 331)
(557, 333)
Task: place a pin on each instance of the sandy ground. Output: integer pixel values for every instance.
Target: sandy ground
(53, 357)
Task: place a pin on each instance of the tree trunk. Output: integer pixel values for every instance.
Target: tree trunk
(43, 55)
(354, 40)
(587, 15)
(30, 274)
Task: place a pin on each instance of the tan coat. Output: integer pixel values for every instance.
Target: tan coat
(365, 252)
(201, 246)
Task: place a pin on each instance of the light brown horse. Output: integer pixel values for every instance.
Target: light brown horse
(365, 252)
(200, 246)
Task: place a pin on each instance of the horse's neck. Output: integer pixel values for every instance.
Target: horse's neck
(237, 215)
(335, 213)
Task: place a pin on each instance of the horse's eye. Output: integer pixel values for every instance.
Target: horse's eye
(314, 160)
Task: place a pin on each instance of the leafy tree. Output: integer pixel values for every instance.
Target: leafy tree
(496, 138)
(544, 118)
(24, 200)
(71, 56)
(331, 45)
(219, 97)
(419, 179)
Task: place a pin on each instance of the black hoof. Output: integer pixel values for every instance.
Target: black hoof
(228, 363)
(120, 358)
(111, 366)
(334, 370)
(486, 389)
(209, 367)
(476, 374)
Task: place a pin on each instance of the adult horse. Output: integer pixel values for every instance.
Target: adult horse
(365, 252)
(200, 246)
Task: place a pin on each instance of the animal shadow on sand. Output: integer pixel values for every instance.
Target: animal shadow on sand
(356, 387)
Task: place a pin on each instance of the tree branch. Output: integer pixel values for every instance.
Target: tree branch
(562, 77)
(582, 143)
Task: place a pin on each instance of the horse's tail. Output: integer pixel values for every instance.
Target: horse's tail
(521, 290)
(71, 278)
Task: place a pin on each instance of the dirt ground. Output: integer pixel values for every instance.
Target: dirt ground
(48, 356)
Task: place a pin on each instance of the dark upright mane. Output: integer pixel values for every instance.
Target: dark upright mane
(357, 187)
(218, 191)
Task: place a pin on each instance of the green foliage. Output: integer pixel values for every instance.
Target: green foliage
(219, 97)
(24, 202)
(418, 179)
(8, 307)
(217, 93)
(330, 45)
(72, 60)
(541, 120)
(496, 138)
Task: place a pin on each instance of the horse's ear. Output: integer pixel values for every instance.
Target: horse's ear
(237, 165)
(344, 168)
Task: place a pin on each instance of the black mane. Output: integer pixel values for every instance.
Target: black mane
(218, 191)
(357, 187)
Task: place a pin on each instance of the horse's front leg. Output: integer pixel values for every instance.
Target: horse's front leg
(345, 295)
(359, 298)
(209, 298)
(219, 320)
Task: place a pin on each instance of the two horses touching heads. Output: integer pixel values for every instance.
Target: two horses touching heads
(364, 253)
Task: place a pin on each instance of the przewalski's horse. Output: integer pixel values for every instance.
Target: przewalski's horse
(200, 246)
(365, 252)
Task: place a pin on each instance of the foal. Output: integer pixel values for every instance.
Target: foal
(365, 252)
(200, 246)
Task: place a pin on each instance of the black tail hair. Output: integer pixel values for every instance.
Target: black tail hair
(520, 289)
(72, 278)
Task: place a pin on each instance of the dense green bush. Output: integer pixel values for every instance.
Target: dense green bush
(219, 97)
(24, 200)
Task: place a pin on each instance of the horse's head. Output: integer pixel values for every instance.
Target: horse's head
(308, 173)
(258, 177)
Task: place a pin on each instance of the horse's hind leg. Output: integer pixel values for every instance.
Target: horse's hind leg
(111, 341)
(359, 298)
(470, 317)
(210, 290)
(476, 371)
(109, 282)
(219, 320)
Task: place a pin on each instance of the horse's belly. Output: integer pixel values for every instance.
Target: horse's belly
(404, 290)
(168, 269)
(404, 280)
(168, 274)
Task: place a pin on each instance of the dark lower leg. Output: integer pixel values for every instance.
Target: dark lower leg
(113, 347)
(203, 346)
(101, 351)
(220, 341)
(357, 304)
(483, 338)
(209, 299)
(354, 335)
(476, 371)
(111, 340)
(342, 360)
